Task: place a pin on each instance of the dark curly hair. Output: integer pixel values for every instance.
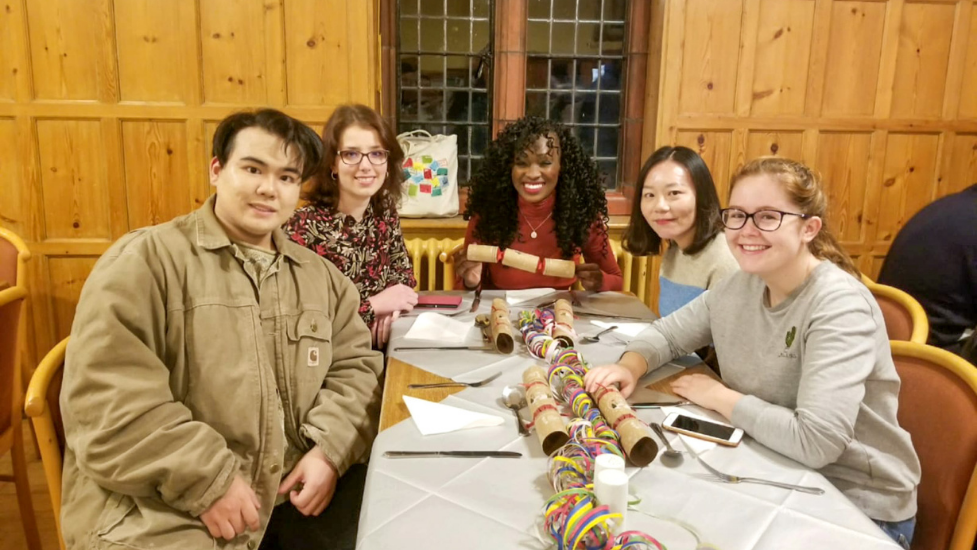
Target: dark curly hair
(324, 189)
(580, 200)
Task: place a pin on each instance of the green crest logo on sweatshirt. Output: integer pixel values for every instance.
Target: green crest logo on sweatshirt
(790, 336)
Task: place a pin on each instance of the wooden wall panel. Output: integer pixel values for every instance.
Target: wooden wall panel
(963, 165)
(708, 79)
(854, 49)
(71, 48)
(880, 96)
(714, 148)
(778, 144)
(843, 164)
(235, 37)
(161, 35)
(74, 180)
(107, 108)
(908, 180)
(782, 53)
(317, 64)
(968, 99)
(11, 190)
(67, 276)
(921, 62)
(155, 159)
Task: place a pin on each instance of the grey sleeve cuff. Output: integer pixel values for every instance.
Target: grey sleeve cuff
(653, 346)
(747, 412)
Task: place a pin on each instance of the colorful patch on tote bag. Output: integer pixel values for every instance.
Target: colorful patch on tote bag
(427, 176)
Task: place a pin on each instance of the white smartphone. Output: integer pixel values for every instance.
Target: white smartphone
(703, 429)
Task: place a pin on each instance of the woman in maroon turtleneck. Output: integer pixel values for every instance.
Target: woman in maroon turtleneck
(538, 192)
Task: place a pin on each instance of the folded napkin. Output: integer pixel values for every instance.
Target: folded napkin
(520, 297)
(627, 329)
(435, 418)
(434, 326)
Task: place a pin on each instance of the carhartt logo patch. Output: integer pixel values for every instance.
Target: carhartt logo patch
(790, 336)
(314, 357)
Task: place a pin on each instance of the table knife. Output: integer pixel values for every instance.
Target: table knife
(460, 454)
(470, 348)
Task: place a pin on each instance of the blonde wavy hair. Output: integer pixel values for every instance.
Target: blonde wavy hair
(806, 191)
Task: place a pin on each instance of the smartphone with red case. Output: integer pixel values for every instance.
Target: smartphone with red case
(435, 301)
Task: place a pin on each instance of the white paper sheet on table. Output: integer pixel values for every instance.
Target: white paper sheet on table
(434, 326)
(434, 418)
(520, 297)
(698, 445)
(627, 329)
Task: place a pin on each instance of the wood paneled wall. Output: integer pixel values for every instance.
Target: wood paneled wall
(107, 109)
(879, 95)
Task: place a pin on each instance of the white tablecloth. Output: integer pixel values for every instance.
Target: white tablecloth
(497, 503)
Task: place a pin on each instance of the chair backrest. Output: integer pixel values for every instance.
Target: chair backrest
(905, 319)
(938, 407)
(11, 387)
(13, 255)
(42, 405)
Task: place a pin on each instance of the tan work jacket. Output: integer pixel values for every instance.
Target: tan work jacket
(178, 372)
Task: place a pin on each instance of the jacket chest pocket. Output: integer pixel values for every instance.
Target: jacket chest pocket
(309, 346)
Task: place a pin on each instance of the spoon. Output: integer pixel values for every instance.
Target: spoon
(596, 337)
(670, 455)
(514, 398)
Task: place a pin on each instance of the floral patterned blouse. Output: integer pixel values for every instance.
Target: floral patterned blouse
(370, 252)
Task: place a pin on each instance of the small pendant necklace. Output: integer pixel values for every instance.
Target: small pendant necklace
(533, 234)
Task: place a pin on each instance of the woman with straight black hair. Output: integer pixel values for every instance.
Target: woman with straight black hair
(678, 203)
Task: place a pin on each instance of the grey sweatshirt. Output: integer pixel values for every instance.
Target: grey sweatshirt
(817, 376)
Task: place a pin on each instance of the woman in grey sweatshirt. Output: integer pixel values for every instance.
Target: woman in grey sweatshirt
(802, 343)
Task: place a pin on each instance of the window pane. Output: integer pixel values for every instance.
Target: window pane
(480, 35)
(458, 36)
(408, 71)
(614, 10)
(588, 38)
(482, 8)
(458, 69)
(589, 10)
(480, 107)
(432, 35)
(457, 106)
(563, 34)
(576, 74)
(408, 104)
(408, 35)
(538, 37)
(539, 9)
(432, 71)
(536, 104)
(408, 7)
(432, 105)
(432, 7)
(608, 169)
(565, 9)
(459, 8)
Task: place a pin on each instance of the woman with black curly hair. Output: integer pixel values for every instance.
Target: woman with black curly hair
(538, 192)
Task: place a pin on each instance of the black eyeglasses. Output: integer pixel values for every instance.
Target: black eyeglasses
(764, 220)
(378, 156)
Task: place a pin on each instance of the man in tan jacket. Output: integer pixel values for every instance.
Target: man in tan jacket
(216, 368)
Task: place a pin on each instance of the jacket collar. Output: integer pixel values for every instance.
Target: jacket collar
(211, 234)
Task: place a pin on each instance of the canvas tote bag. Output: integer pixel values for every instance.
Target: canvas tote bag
(430, 188)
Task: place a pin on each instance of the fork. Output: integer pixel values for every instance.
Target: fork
(477, 300)
(453, 384)
(727, 478)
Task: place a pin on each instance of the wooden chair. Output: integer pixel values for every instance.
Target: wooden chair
(905, 319)
(937, 406)
(11, 401)
(42, 406)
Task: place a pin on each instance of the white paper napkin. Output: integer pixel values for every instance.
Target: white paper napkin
(434, 326)
(435, 418)
(518, 297)
(627, 329)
